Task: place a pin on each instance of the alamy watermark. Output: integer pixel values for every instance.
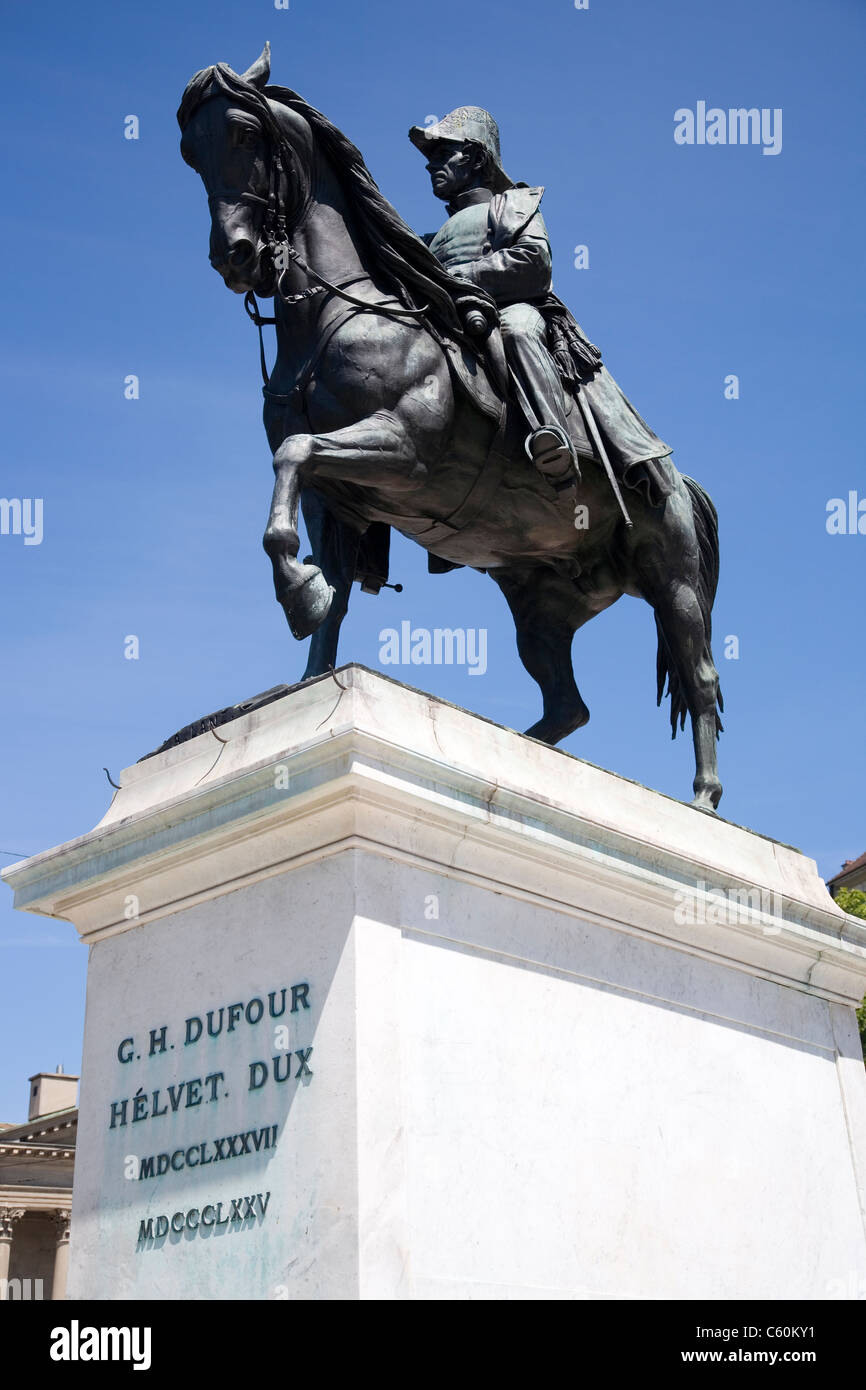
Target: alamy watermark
(709, 903)
(439, 646)
(21, 1290)
(22, 516)
(846, 517)
(853, 1286)
(77, 1343)
(737, 126)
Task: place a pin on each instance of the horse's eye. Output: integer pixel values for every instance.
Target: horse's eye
(245, 136)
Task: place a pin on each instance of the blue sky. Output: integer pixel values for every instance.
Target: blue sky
(705, 261)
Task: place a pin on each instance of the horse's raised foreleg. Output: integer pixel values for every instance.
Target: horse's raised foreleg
(375, 451)
(547, 611)
(302, 590)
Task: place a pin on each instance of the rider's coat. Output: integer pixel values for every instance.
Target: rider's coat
(516, 276)
(502, 246)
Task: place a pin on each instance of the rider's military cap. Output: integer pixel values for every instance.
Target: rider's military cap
(467, 123)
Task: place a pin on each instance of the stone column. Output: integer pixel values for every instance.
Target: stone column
(61, 1217)
(9, 1218)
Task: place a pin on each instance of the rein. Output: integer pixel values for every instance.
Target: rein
(324, 284)
(280, 249)
(260, 320)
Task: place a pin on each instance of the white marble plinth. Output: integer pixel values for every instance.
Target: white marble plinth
(570, 1038)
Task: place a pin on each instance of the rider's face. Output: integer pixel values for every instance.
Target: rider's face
(452, 169)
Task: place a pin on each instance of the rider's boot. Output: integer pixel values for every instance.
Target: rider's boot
(551, 451)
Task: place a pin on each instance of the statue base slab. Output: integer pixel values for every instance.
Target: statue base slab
(386, 1001)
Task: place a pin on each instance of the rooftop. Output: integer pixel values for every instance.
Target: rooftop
(849, 867)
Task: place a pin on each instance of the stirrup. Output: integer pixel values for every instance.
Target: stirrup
(550, 462)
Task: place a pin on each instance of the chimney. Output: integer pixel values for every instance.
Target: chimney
(50, 1091)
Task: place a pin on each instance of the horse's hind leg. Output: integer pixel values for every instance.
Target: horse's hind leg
(671, 584)
(547, 611)
(671, 559)
(694, 681)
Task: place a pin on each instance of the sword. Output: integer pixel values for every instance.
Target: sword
(589, 418)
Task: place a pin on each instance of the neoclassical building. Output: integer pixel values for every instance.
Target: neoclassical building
(36, 1163)
(851, 875)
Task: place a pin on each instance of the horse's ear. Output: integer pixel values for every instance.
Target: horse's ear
(260, 71)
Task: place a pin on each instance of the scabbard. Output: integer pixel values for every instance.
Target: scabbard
(591, 425)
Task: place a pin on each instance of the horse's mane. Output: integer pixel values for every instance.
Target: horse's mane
(393, 253)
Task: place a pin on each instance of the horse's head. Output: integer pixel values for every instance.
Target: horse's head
(236, 139)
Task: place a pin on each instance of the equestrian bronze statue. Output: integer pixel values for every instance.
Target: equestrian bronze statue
(438, 386)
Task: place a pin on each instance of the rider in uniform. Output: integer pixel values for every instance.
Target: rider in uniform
(495, 239)
(465, 167)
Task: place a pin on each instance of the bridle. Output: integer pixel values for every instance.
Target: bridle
(274, 233)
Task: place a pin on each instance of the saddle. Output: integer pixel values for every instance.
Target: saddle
(484, 379)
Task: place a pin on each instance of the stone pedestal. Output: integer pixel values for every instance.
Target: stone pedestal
(386, 1001)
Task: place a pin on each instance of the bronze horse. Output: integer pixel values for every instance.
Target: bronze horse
(370, 425)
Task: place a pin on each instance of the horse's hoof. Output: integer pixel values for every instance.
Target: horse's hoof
(554, 727)
(307, 603)
(707, 800)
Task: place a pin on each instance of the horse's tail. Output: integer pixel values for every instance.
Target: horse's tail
(707, 532)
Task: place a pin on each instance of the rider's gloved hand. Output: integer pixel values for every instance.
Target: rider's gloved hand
(479, 314)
